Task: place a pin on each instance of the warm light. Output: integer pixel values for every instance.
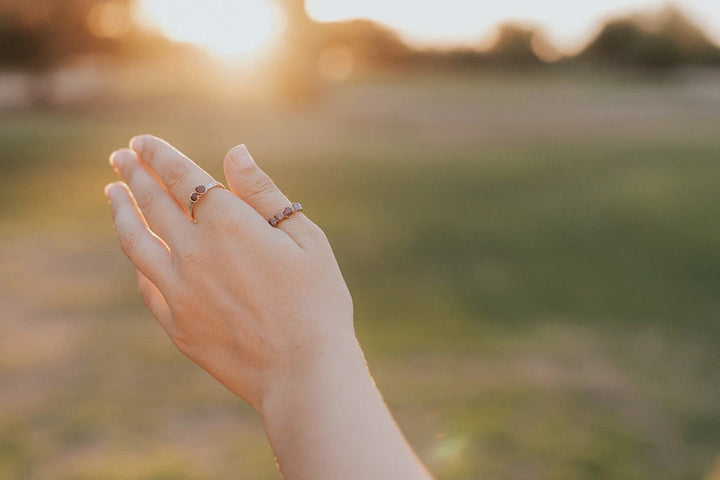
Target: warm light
(226, 27)
(109, 19)
(336, 63)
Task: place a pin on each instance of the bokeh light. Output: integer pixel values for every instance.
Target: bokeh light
(230, 28)
(109, 20)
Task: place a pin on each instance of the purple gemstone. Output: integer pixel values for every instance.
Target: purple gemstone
(278, 216)
(200, 189)
(272, 221)
(194, 197)
(287, 211)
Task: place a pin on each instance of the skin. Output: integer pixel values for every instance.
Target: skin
(263, 310)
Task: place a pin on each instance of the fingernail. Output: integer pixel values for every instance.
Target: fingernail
(241, 156)
(136, 143)
(117, 159)
(111, 190)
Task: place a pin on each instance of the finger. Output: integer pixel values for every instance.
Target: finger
(144, 249)
(155, 302)
(179, 174)
(249, 182)
(160, 210)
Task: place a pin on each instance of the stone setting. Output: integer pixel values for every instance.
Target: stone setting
(195, 196)
(286, 213)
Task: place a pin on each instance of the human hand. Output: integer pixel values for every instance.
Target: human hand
(253, 305)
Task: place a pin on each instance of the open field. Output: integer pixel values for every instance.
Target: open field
(534, 260)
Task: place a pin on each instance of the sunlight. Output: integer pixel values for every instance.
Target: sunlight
(236, 28)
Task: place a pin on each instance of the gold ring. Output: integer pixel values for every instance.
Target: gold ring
(201, 190)
(286, 213)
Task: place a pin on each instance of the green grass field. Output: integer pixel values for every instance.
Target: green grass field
(534, 260)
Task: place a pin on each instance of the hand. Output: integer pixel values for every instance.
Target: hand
(249, 303)
(264, 310)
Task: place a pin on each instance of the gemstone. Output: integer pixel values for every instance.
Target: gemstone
(272, 221)
(278, 216)
(194, 197)
(287, 211)
(200, 189)
(297, 207)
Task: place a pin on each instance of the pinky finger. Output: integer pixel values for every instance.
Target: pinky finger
(155, 302)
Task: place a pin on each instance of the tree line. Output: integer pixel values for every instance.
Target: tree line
(40, 36)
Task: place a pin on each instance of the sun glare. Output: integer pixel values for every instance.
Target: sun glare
(237, 28)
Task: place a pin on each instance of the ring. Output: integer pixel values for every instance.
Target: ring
(201, 190)
(286, 213)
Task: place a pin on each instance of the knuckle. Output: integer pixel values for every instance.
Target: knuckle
(175, 176)
(128, 243)
(147, 199)
(316, 233)
(182, 342)
(260, 185)
(217, 224)
(221, 221)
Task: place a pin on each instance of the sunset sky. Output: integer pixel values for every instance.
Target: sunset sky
(245, 27)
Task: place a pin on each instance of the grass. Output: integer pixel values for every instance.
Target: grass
(534, 263)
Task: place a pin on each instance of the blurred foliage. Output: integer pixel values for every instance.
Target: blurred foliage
(42, 34)
(372, 44)
(662, 40)
(514, 45)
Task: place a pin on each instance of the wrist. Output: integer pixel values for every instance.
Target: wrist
(313, 372)
(327, 420)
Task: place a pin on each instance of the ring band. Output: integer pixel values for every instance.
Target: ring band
(201, 190)
(286, 213)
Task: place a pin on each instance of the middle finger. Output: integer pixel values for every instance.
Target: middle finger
(179, 174)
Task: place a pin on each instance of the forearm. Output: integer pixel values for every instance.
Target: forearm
(260, 305)
(329, 421)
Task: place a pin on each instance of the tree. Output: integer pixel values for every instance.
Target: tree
(370, 43)
(296, 72)
(661, 40)
(514, 46)
(38, 36)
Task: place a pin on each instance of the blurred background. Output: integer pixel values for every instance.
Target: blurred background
(523, 197)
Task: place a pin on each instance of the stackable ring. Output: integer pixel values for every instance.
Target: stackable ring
(201, 190)
(286, 213)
